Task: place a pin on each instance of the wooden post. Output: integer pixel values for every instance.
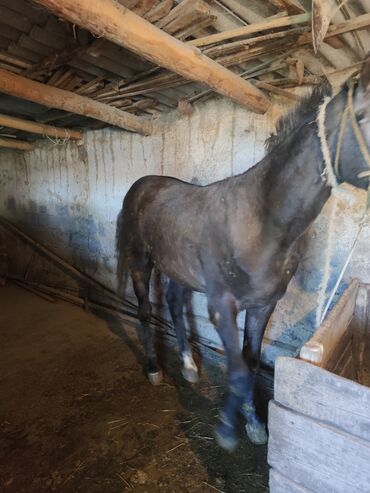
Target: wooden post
(16, 144)
(16, 85)
(121, 26)
(39, 128)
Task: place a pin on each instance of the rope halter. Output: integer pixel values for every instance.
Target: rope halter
(331, 171)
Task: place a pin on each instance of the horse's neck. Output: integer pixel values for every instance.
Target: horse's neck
(293, 185)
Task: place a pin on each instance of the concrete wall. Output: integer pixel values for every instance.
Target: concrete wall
(68, 197)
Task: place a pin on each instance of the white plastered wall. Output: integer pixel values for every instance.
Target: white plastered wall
(68, 197)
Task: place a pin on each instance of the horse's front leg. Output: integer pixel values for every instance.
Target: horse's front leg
(256, 320)
(240, 398)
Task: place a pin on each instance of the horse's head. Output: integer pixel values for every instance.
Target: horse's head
(348, 130)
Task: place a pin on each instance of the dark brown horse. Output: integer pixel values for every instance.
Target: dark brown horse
(235, 239)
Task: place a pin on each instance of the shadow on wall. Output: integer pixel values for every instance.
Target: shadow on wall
(76, 238)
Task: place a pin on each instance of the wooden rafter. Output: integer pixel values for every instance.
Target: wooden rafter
(16, 85)
(16, 144)
(118, 24)
(38, 128)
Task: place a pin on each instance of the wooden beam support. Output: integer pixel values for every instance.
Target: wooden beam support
(39, 128)
(16, 85)
(16, 144)
(121, 26)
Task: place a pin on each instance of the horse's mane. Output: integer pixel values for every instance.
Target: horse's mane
(303, 112)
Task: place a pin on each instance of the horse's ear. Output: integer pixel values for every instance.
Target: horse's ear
(365, 74)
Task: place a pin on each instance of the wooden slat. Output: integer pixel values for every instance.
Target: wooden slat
(9, 32)
(292, 6)
(17, 50)
(198, 9)
(13, 69)
(120, 25)
(358, 23)
(144, 6)
(201, 23)
(316, 455)
(13, 60)
(16, 144)
(78, 63)
(27, 42)
(21, 87)
(44, 37)
(280, 484)
(176, 12)
(315, 392)
(160, 11)
(265, 25)
(277, 90)
(38, 128)
(322, 349)
(360, 327)
(109, 65)
(15, 20)
(26, 9)
(55, 60)
(4, 43)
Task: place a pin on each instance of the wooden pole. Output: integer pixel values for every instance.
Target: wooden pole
(16, 85)
(16, 144)
(39, 128)
(121, 26)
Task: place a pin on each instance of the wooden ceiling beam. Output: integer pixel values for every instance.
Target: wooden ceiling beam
(16, 144)
(39, 128)
(121, 26)
(16, 85)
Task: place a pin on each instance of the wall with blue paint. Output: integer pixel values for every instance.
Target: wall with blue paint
(68, 197)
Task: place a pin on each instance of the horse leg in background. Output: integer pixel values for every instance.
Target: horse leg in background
(256, 320)
(223, 313)
(140, 280)
(175, 299)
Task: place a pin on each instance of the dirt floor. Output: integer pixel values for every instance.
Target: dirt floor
(78, 415)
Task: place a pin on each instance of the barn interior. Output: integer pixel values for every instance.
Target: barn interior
(93, 96)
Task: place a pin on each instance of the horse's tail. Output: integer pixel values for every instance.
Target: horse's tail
(120, 251)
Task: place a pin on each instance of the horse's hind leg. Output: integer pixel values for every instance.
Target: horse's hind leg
(175, 299)
(140, 280)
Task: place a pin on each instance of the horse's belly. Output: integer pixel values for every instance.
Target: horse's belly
(184, 269)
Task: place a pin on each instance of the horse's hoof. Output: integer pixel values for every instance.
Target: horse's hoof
(190, 375)
(257, 434)
(155, 378)
(226, 438)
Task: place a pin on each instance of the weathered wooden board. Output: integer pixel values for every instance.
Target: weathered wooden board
(361, 328)
(322, 395)
(327, 344)
(280, 484)
(345, 366)
(316, 455)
